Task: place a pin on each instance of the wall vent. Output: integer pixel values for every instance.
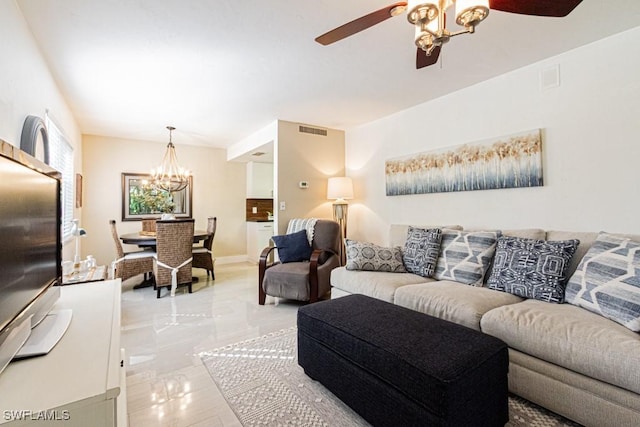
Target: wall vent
(550, 77)
(313, 131)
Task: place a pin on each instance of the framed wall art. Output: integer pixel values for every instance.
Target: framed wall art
(511, 161)
(140, 199)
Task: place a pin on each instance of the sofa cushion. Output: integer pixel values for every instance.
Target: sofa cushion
(570, 337)
(370, 257)
(453, 301)
(607, 281)
(376, 284)
(586, 240)
(293, 247)
(421, 250)
(398, 232)
(532, 268)
(465, 255)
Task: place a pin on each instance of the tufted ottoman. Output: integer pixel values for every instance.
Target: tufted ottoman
(396, 366)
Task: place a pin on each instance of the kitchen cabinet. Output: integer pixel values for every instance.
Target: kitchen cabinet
(258, 237)
(259, 180)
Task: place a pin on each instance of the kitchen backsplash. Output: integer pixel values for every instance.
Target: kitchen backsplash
(262, 207)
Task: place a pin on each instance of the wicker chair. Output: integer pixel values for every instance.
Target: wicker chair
(302, 281)
(202, 256)
(130, 264)
(174, 243)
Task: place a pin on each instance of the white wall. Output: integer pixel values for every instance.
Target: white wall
(28, 88)
(305, 157)
(591, 148)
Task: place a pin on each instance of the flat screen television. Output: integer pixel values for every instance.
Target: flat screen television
(30, 246)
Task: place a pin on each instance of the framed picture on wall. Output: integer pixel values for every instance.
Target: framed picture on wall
(141, 199)
(78, 190)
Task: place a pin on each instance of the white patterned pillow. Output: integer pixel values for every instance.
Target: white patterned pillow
(607, 281)
(532, 268)
(421, 250)
(367, 256)
(465, 255)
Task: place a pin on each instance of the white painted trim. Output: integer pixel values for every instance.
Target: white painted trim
(231, 259)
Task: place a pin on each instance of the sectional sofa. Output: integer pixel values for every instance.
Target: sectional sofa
(563, 357)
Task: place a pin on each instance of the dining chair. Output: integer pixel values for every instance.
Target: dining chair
(304, 273)
(202, 256)
(173, 260)
(130, 264)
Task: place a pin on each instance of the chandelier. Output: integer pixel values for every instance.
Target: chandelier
(169, 176)
(429, 18)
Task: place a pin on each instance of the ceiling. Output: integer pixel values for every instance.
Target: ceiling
(219, 70)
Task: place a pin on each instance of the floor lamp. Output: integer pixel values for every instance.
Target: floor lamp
(340, 189)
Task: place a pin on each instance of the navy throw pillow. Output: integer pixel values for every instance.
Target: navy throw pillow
(293, 247)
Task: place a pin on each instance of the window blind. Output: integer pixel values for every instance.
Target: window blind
(61, 158)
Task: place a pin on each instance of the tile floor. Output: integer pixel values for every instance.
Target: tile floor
(167, 384)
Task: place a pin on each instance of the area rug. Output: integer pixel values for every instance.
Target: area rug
(264, 385)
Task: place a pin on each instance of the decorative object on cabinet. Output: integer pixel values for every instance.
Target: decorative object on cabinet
(510, 161)
(141, 200)
(35, 139)
(170, 176)
(77, 232)
(340, 189)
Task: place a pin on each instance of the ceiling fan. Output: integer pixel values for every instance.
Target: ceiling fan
(428, 16)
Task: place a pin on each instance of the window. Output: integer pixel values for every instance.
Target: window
(61, 158)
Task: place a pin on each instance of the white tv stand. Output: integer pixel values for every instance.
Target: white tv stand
(81, 381)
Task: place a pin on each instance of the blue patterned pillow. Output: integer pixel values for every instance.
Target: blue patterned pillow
(367, 256)
(465, 255)
(607, 281)
(531, 268)
(293, 247)
(421, 250)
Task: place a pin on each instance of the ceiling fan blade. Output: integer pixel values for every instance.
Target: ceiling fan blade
(553, 8)
(424, 60)
(362, 23)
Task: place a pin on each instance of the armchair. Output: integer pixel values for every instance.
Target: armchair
(305, 280)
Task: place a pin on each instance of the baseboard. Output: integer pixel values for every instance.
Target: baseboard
(232, 259)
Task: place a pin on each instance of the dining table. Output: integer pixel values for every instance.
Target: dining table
(146, 239)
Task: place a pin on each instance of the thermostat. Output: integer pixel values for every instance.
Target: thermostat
(303, 184)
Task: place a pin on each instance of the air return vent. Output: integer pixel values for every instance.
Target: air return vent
(313, 131)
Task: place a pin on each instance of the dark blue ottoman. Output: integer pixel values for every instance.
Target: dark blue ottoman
(399, 367)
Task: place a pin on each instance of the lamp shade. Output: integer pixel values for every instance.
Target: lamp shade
(340, 188)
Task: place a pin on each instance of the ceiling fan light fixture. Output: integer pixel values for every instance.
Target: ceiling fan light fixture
(470, 13)
(427, 36)
(420, 12)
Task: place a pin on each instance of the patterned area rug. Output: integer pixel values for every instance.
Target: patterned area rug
(264, 385)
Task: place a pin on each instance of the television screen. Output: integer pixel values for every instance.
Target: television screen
(30, 247)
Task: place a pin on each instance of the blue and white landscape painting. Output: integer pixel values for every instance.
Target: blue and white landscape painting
(510, 161)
